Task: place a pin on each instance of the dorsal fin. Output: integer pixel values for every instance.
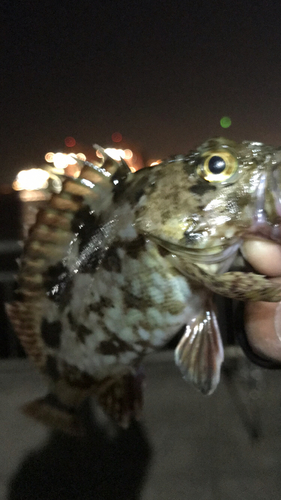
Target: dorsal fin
(47, 245)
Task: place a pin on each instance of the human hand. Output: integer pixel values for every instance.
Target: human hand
(263, 319)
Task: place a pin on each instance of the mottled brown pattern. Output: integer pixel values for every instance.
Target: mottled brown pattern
(122, 398)
(134, 247)
(113, 343)
(51, 332)
(162, 251)
(98, 307)
(82, 332)
(58, 284)
(201, 188)
(54, 218)
(145, 344)
(86, 230)
(112, 347)
(111, 261)
(71, 320)
(174, 306)
(130, 300)
(124, 188)
(76, 377)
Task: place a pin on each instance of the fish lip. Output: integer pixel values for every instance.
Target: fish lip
(264, 232)
(201, 255)
(261, 227)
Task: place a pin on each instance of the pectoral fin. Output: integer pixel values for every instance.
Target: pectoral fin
(199, 353)
(235, 285)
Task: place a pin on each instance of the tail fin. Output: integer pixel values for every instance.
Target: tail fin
(51, 412)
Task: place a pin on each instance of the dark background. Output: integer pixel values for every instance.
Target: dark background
(161, 73)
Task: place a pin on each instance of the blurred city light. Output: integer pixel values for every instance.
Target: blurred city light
(81, 156)
(32, 179)
(156, 162)
(225, 122)
(128, 154)
(49, 157)
(70, 142)
(71, 159)
(133, 160)
(116, 154)
(60, 160)
(116, 137)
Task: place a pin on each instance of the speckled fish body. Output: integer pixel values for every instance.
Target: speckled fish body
(118, 262)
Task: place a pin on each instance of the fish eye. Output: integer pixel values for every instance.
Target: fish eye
(218, 166)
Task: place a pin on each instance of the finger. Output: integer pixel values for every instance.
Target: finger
(263, 319)
(264, 256)
(263, 327)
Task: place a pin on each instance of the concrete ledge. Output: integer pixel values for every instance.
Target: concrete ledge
(186, 446)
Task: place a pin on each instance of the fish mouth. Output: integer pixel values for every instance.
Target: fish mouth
(264, 226)
(264, 231)
(214, 255)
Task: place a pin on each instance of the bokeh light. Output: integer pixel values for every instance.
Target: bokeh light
(225, 122)
(116, 137)
(153, 163)
(128, 154)
(60, 160)
(49, 157)
(71, 159)
(32, 179)
(70, 142)
(81, 156)
(114, 153)
(117, 154)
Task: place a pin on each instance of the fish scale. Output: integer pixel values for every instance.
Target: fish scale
(118, 262)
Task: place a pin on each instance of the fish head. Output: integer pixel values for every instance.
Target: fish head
(207, 203)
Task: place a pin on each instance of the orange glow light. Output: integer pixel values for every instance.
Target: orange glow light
(81, 156)
(49, 157)
(128, 154)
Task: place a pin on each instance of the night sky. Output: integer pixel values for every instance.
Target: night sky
(161, 73)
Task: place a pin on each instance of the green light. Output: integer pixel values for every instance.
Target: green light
(225, 122)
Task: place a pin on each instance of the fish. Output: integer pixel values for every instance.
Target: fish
(119, 261)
